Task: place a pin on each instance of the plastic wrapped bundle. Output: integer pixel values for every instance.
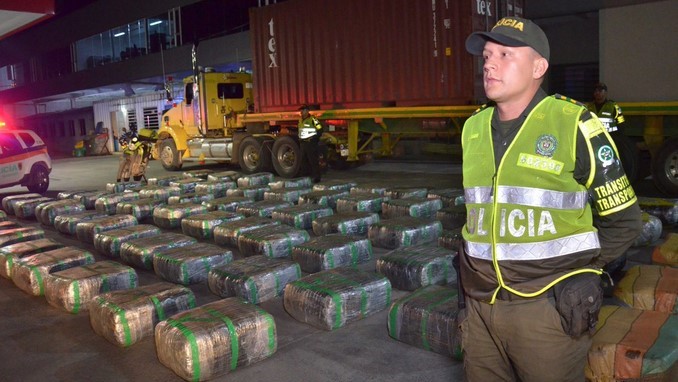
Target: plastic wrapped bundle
(291, 195)
(164, 181)
(227, 234)
(367, 189)
(108, 203)
(347, 223)
(30, 272)
(254, 279)
(89, 198)
(71, 194)
(189, 198)
(427, 319)
(171, 216)
(331, 251)
(649, 287)
(258, 179)
(202, 226)
(86, 230)
(360, 202)
(665, 209)
(452, 217)
(633, 345)
(73, 289)
(252, 192)
(263, 208)
(326, 198)
(331, 299)
(190, 264)
(303, 182)
(186, 185)
(229, 203)
(404, 232)
(125, 317)
(140, 252)
(301, 216)
(275, 241)
(418, 266)
(20, 235)
(667, 252)
(141, 209)
(215, 188)
(200, 174)
(335, 185)
(68, 223)
(123, 186)
(48, 211)
(25, 209)
(6, 224)
(215, 338)
(9, 254)
(652, 230)
(110, 242)
(450, 239)
(161, 193)
(224, 176)
(447, 195)
(8, 202)
(416, 207)
(406, 192)
(3, 216)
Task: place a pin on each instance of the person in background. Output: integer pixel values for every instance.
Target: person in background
(609, 113)
(310, 129)
(131, 149)
(548, 205)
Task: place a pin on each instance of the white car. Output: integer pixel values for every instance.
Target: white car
(24, 160)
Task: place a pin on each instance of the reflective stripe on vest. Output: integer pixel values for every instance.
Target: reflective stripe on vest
(535, 251)
(533, 197)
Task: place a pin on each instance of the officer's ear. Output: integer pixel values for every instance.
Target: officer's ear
(539, 67)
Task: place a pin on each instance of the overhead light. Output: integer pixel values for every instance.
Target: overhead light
(155, 23)
(119, 34)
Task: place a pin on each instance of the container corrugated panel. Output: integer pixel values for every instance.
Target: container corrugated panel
(353, 53)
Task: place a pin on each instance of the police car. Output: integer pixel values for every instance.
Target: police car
(23, 160)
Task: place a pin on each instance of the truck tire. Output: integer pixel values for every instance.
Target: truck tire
(286, 157)
(254, 156)
(629, 155)
(169, 155)
(39, 179)
(665, 168)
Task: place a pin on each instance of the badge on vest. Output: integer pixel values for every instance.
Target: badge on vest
(546, 145)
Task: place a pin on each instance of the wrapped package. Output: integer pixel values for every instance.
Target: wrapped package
(89, 198)
(335, 185)
(446, 195)
(258, 179)
(404, 231)
(667, 252)
(202, 226)
(25, 209)
(263, 208)
(325, 198)
(450, 239)
(332, 251)
(452, 217)
(190, 264)
(6, 224)
(406, 192)
(652, 230)
(633, 345)
(68, 223)
(360, 202)
(192, 197)
(86, 230)
(347, 223)
(110, 242)
(107, 204)
(427, 319)
(8, 202)
(48, 211)
(202, 173)
(275, 241)
(649, 287)
(171, 216)
(254, 279)
(215, 188)
(253, 192)
(140, 252)
(223, 176)
(74, 288)
(19, 235)
(665, 209)
(331, 299)
(213, 339)
(10, 253)
(141, 209)
(160, 193)
(186, 185)
(228, 203)
(164, 180)
(124, 317)
(227, 234)
(291, 195)
(413, 267)
(71, 194)
(302, 182)
(412, 206)
(124, 186)
(30, 272)
(367, 189)
(301, 216)
(3, 216)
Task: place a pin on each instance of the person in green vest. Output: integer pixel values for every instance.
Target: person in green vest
(548, 205)
(310, 129)
(609, 113)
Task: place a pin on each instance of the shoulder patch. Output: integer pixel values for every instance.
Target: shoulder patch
(568, 99)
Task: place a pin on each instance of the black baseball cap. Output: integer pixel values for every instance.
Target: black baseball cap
(511, 31)
(304, 107)
(600, 86)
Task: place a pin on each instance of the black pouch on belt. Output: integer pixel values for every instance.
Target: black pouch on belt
(578, 300)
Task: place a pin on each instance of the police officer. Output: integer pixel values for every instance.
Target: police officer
(609, 113)
(310, 130)
(535, 167)
(130, 151)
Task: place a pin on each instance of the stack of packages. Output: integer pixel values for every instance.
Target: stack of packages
(25, 208)
(9, 254)
(20, 235)
(110, 242)
(649, 287)
(160, 193)
(335, 185)
(8, 202)
(202, 226)
(303, 182)
(450, 239)
(140, 252)
(369, 202)
(406, 192)
(48, 211)
(347, 223)
(301, 216)
(189, 198)
(86, 230)
(404, 231)
(224, 176)
(652, 230)
(411, 268)
(186, 185)
(190, 264)
(449, 196)
(216, 188)
(263, 208)
(416, 207)
(275, 241)
(452, 218)
(227, 234)
(68, 223)
(107, 204)
(30, 272)
(200, 174)
(170, 216)
(228, 203)
(258, 179)
(665, 209)
(253, 192)
(163, 181)
(89, 198)
(325, 198)
(367, 189)
(331, 251)
(141, 209)
(123, 186)
(291, 195)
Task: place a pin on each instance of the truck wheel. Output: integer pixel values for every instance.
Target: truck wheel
(39, 179)
(629, 155)
(286, 157)
(665, 168)
(254, 156)
(169, 155)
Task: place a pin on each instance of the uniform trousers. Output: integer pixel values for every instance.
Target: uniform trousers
(311, 158)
